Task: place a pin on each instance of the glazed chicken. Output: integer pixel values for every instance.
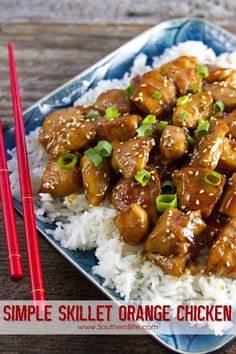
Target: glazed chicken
(220, 91)
(227, 162)
(228, 203)
(230, 120)
(222, 256)
(131, 156)
(173, 239)
(154, 94)
(117, 98)
(128, 191)
(95, 180)
(173, 144)
(122, 128)
(184, 74)
(133, 224)
(61, 129)
(216, 73)
(60, 182)
(196, 189)
(162, 151)
(198, 106)
(214, 225)
(208, 152)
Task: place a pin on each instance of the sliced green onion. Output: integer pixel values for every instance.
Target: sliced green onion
(161, 125)
(190, 140)
(183, 116)
(93, 116)
(203, 128)
(150, 119)
(111, 113)
(219, 106)
(93, 156)
(212, 119)
(167, 187)
(202, 71)
(145, 130)
(104, 148)
(182, 100)
(67, 161)
(157, 95)
(166, 201)
(191, 89)
(213, 178)
(143, 177)
(130, 89)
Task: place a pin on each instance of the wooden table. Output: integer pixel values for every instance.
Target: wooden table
(47, 56)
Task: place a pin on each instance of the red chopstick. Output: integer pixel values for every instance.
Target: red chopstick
(12, 242)
(31, 237)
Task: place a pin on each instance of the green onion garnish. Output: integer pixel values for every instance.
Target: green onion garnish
(145, 130)
(161, 125)
(203, 128)
(150, 119)
(213, 178)
(165, 201)
(93, 116)
(183, 116)
(190, 140)
(191, 89)
(111, 113)
(167, 187)
(104, 148)
(219, 106)
(130, 89)
(157, 95)
(67, 161)
(143, 177)
(202, 71)
(182, 100)
(93, 156)
(212, 119)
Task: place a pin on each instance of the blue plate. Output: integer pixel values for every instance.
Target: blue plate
(152, 43)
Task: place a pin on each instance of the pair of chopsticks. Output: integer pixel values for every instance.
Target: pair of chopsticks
(31, 237)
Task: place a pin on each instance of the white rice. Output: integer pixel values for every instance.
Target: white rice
(80, 226)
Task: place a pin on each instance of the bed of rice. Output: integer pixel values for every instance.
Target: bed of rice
(80, 226)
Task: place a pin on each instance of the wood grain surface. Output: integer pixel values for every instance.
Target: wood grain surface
(110, 11)
(47, 56)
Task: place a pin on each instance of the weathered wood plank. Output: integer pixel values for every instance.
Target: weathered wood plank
(109, 11)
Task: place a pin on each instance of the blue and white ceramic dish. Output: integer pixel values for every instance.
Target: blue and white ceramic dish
(152, 43)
